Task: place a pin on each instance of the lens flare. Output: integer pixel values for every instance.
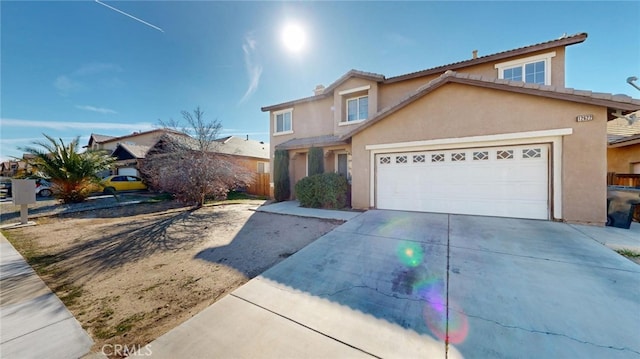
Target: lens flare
(410, 254)
(432, 291)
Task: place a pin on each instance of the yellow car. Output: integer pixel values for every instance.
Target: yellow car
(122, 183)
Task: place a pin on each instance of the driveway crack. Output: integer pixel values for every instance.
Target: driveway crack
(552, 333)
(446, 340)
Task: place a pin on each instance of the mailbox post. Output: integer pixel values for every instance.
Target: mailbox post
(24, 194)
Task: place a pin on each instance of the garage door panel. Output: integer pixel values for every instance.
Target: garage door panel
(509, 181)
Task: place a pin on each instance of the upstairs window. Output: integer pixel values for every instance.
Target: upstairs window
(357, 108)
(282, 122)
(533, 73)
(535, 69)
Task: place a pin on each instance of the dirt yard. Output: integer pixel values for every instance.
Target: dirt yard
(129, 278)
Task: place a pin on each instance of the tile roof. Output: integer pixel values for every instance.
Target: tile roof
(100, 138)
(562, 41)
(233, 145)
(163, 130)
(138, 151)
(329, 89)
(319, 141)
(619, 128)
(621, 102)
(625, 141)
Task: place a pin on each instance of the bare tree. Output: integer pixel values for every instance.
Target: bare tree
(189, 167)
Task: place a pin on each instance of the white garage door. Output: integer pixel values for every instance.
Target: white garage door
(508, 181)
(128, 171)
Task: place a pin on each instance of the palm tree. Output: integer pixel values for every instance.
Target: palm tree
(73, 175)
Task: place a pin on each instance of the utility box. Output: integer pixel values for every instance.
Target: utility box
(24, 191)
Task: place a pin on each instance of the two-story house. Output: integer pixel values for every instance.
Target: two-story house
(495, 135)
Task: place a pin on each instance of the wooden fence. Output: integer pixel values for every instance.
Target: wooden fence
(623, 179)
(260, 186)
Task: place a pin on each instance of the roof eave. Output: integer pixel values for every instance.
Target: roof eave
(284, 146)
(328, 91)
(280, 106)
(445, 79)
(572, 40)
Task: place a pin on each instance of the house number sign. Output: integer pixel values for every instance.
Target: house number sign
(584, 118)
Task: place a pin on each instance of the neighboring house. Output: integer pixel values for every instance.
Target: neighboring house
(496, 135)
(146, 138)
(17, 168)
(128, 158)
(9, 168)
(128, 149)
(623, 151)
(252, 155)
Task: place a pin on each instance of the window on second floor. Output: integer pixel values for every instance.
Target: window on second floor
(531, 73)
(535, 69)
(282, 122)
(357, 108)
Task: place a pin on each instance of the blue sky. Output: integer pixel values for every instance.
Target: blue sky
(78, 67)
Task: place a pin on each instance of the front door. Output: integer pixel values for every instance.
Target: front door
(342, 165)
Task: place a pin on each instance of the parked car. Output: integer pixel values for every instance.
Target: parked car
(122, 183)
(43, 188)
(5, 187)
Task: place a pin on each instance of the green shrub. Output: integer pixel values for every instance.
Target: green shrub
(316, 161)
(281, 182)
(326, 190)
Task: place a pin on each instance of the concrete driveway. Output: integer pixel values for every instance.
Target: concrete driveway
(396, 284)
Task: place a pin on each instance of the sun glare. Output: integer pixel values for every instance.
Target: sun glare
(294, 37)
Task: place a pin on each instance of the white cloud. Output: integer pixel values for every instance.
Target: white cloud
(64, 125)
(64, 84)
(75, 80)
(254, 71)
(95, 109)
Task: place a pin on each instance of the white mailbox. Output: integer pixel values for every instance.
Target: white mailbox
(24, 193)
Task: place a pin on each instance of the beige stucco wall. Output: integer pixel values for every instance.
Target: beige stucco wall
(621, 159)
(340, 102)
(391, 93)
(457, 110)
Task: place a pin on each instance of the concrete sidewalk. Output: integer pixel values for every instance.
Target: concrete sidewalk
(293, 208)
(34, 323)
(614, 238)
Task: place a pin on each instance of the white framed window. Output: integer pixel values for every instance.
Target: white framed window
(357, 108)
(283, 122)
(534, 69)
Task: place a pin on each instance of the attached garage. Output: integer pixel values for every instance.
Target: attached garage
(128, 171)
(504, 181)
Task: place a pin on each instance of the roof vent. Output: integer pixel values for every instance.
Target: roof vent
(319, 90)
(475, 54)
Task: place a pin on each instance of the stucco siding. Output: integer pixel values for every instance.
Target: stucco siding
(391, 93)
(621, 159)
(457, 110)
(340, 105)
